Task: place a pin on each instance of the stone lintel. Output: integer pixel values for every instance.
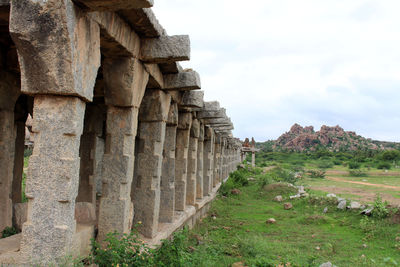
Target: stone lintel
(59, 57)
(125, 81)
(156, 77)
(193, 99)
(183, 81)
(209, 114)
(155, 106)
(118, 39)
(165, 49)
(114, 5)
(217, 120)
(212, 105)
(170, 68)
(144, 22)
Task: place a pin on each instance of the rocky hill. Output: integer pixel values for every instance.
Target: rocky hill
(332, 138)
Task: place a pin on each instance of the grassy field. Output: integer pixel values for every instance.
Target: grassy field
(302, 236)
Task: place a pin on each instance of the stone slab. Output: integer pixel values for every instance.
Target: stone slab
(165, 49)
(114, 5)
(144, 22)
(186, 80)
(193, 99)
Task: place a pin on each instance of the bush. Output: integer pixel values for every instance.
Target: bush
(380, 210)
(357, 173)
(264, 180)
(121, 250)
(325, 164)
(279, 174)
(9, 231)
(384, 166)
(354, 165)
(316, 173)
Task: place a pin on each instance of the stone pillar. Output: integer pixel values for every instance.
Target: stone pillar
(200, 165)
(167, 202)
(53, 178)
(182, 147)
(217, 160)
(153, 116)
(221, 166)
(125, 83)
(92, 129)
(209, 145)
(9, 92)
(253, 159)
(192, 163)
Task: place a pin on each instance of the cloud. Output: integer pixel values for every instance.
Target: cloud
(275, 63)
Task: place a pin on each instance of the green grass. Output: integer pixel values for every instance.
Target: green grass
(239, 233)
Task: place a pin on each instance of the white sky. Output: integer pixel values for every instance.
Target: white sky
(273, 63)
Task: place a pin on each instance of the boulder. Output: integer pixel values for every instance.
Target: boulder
(355, 205)
(287, 206)
(331, 195)
(278, 199)
(342, 205)
(235, 191)
(271, 221)
(327, 264)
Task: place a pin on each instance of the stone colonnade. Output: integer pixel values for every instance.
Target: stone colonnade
(122, 135)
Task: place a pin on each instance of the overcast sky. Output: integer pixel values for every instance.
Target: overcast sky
(273, 63)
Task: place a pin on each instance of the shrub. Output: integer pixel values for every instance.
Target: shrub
(264, 180)
(227, 187)
(337, 162)
(279, 174)
(354, 165)
(9, 231)
(380, 210)
(357, 173)
(121, 250)
(325, 164)
(384, 166)
(316, 173)
(240, 177)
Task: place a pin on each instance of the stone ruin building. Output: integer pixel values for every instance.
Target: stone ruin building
(121, 132)
(249, 147)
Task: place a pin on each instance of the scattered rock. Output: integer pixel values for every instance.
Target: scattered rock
(340, 199)
(271, 221)
(251, 179)
(213, 217)
(367, 211)
(325, 209)
(278, 199)
(295, 196)
(317, 248)
(342, 205)
(242, 166)
(301, 190)
(354, 205)
(235, 191)
(288, 206)
(397, 238)
(331, 195)
(327, 264)
(226, 228)
(364, 245)
(191, 249)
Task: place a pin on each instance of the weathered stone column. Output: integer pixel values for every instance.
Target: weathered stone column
(125, 81)
(93, 128)
(200, 164)
(153, 116)
(9, 92)
(53, 178)
(167, 202)
(209, 145)
(253, 159)
(222, 161)
(217, 160)
(192, 163)
(182, 147)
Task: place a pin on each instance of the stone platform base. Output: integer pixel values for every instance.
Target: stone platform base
(188, 218)
(10, 246)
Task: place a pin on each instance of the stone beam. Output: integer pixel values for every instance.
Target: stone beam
(59, 57)
(117, 37)
(171, 68)
(209, 114)
(156, 80)
(114, 5)
(183, 81)
(165, 49)
(125, 81)
(143, 22)
(192, 99)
